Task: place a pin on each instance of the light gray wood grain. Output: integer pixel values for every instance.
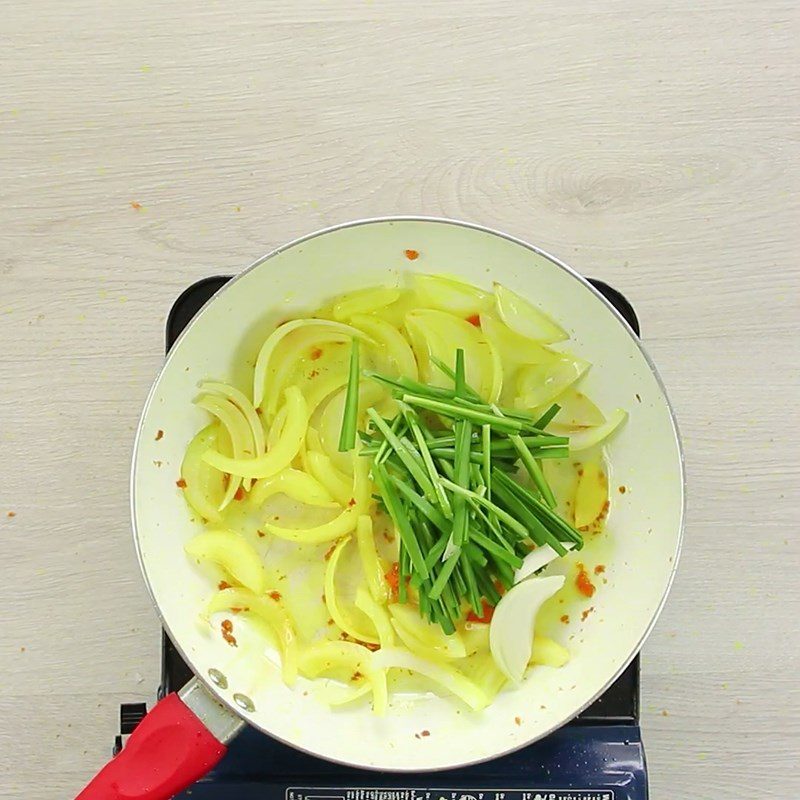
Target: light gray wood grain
(652, 145)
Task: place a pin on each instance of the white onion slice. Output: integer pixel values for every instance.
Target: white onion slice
(512, 627)
(536, 559)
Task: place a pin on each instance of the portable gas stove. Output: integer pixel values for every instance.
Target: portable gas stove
(597, 756)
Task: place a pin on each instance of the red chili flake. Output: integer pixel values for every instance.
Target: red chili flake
(136, 206)
(475, 320)
(329, 552)
(486, 617)
(565, 618)
(393, 578)
(239, 494)
(159, 434)
(518, 720)
(586, 613)
(351, 502)
(239, 609)
(316, 353)
(411, 255)
(275, 595)
(599, 569)
(11, 514)
(223, 585)
(180, 483)
(227, 635)
(582, 581)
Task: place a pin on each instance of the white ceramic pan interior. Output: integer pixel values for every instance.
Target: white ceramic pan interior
(645, 524)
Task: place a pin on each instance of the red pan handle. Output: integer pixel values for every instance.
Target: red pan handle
(168, 751)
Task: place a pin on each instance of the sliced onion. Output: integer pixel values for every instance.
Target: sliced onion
(276, 428)
(577, 411)
(526, 319)
(591, 496)
(364, 301)
(280, 456)
(548, 653)
(240, 436)
(539, 384)
(591, 437)
(512, 627)
(272, 613)
(337, 483)
(483, 672)
(443, 674)
(239, 399)
(233, 553)
(205, 486)
(450, 294)
(346, 658)
(439, 334)
(537, 559)
(345, 332)
(390, 344)
(293, 483)
(377, 615)
(341, 525)
(424, 637)
(374, 571)
(335, 608)
(514, 348)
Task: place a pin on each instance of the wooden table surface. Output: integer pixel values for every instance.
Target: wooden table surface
(146, 145)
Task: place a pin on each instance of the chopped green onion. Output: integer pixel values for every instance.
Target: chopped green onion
(534, 470)
(347, 435)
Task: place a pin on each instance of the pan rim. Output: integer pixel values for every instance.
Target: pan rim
(210, 687)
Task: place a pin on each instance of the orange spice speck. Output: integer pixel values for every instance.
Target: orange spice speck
(275, 595)
(223, 585)
(239, 494)
(599, 569)
(261, 534)
(393, 578)
(425, 733)
(565, 618)
(582, 581)
(356, 676)
(159, 435)
(313, 373)
(411, 255)
(518, 720)
(136, 206)
(329, 552)
(475, 320)
(622, 489)
(486, 617)
(180, 483)
(351, 502)
(586, 613)
(11, 514)
(227, 632)
(316, 353)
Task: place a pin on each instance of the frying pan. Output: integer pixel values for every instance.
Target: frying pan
(184, 736)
